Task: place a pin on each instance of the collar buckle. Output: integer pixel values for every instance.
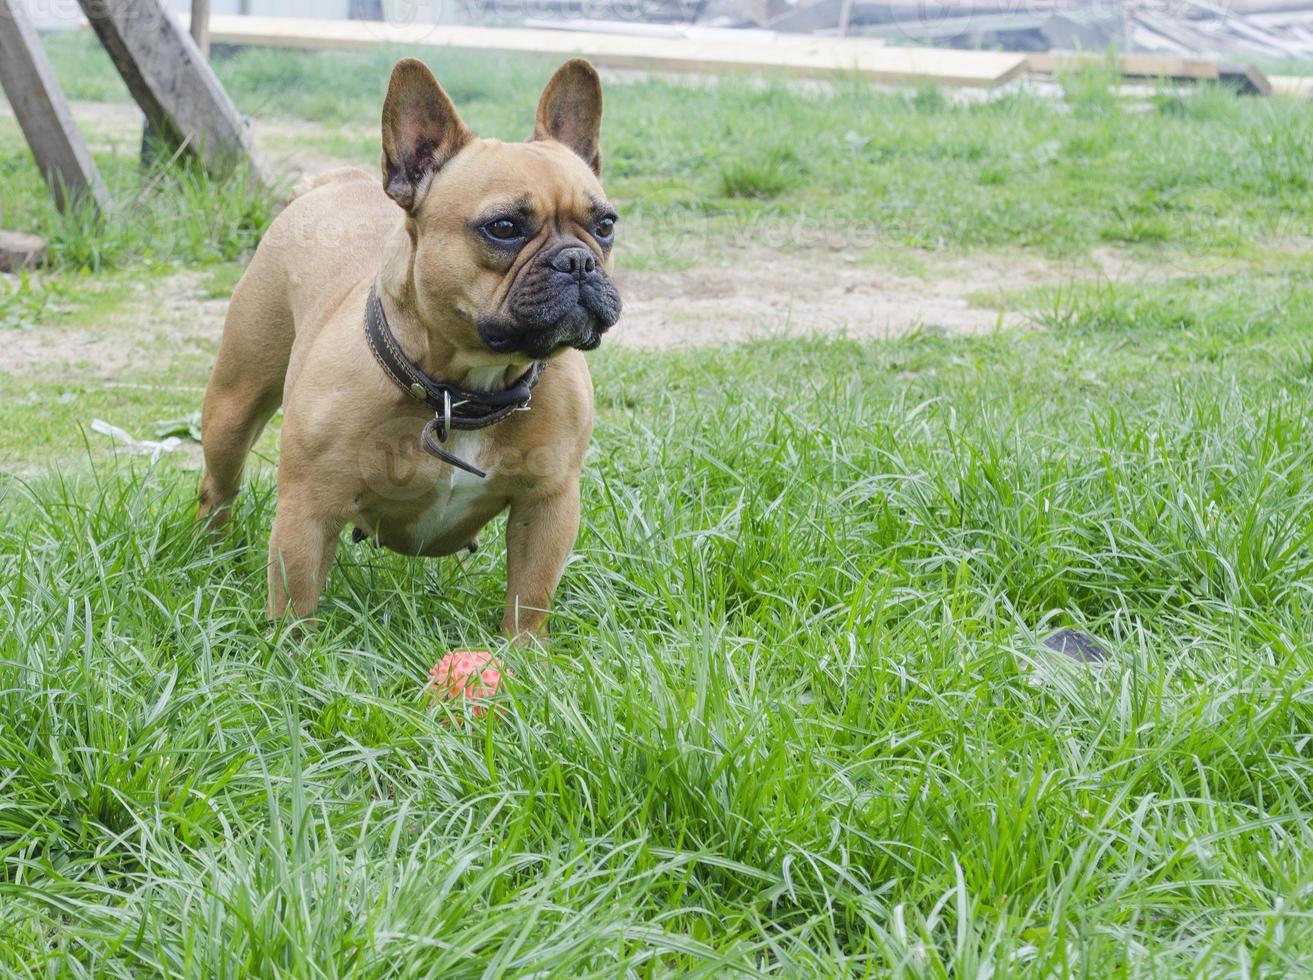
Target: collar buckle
(443, 418)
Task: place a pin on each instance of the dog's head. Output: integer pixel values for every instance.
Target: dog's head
(511, 241)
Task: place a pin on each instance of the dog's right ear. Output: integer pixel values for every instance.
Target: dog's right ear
(421, 132)
(570, 111)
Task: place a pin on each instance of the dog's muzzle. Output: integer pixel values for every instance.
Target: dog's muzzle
(563, 299)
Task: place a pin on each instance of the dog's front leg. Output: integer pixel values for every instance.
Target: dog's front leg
(302, 546)
(539, 535)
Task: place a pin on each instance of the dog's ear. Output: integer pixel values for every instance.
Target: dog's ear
(421, 131)
(570, 111)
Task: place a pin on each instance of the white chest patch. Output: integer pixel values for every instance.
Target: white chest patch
(454, 498)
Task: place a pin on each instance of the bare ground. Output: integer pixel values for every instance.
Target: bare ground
(736, 294)
(165, 320)
(754, 294)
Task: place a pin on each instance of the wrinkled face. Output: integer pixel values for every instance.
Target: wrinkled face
(512, 241)
(515, 240)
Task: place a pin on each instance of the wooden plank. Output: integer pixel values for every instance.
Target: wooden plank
(1295, 86)
(817, 57)
(1250, 7)
(1131, 65)
(174, 84)
(42, 112)
(1245, 78)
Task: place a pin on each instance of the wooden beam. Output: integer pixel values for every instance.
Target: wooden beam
(1246, 79)
(174, 84)
(1131, 65)
(200, 26)
(1295, 86)
(42, 112)
(806, 56)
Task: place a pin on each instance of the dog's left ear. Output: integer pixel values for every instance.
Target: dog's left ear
(570, 111)
(421, 131)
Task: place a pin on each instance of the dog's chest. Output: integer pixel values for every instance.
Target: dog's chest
(455, 501)
(435, 509)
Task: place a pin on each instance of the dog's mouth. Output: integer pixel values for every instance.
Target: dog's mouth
(543, 325)
(539, 344)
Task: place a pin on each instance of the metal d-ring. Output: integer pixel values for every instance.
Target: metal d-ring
(444, 420)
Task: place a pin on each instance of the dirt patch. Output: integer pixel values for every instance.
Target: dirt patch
(754, 295)
(762, 294)
(167, 319)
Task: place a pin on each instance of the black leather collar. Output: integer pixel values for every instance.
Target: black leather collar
(453, 407)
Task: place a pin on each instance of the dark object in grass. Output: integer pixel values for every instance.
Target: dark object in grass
(1076, 645)
(1244, 79)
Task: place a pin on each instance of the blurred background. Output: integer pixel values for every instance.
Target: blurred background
(1268, 29)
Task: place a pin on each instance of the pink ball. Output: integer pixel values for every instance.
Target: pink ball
(466, 675)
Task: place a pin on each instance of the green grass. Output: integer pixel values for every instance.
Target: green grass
(168, 214)
(32, 300)
(763, 176)
(782, 726)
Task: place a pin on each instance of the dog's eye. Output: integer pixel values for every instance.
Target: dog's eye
(503, 229)
(605, 229)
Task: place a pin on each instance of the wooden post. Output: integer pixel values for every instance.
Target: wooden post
(200, 26)
(42, 111)
(845, 17)
(174, 84)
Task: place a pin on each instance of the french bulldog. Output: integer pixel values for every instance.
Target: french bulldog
(482, 268)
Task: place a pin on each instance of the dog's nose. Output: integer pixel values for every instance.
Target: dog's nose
(575, 261)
